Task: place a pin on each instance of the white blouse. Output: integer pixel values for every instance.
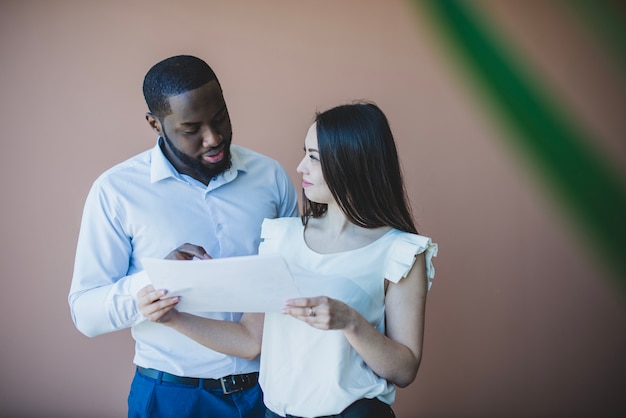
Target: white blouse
(310, 372)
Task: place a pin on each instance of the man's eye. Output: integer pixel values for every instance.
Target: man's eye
(220, 118)
(190, 132)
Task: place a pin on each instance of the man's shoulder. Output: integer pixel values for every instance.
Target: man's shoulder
(136, 165)
(254, 160)
(247, 154)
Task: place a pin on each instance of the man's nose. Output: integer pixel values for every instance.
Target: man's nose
(211, 138)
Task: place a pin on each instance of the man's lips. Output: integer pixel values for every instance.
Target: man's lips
(214, 156)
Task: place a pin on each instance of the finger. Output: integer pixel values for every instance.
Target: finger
(190, 255)
(157, 309)
(305, 302)
(194, 251)
(179, 255)
(166, 303)
(203, 255)
(307, 313)
(145, 290)
(149, 296)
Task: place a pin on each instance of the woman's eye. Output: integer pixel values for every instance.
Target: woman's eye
(313, 158)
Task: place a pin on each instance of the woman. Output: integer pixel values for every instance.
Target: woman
(356, 244)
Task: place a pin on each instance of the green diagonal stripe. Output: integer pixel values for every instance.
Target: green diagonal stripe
(585, 182)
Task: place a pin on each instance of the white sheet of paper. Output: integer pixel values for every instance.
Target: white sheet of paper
(256, 283)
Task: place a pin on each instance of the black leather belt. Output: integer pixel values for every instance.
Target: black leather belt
(228, 384)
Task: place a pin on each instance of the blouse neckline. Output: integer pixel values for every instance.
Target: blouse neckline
(312, 251)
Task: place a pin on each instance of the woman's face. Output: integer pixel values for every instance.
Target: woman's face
(313, 183)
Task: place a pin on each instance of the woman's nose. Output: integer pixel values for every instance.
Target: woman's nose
(301, 166)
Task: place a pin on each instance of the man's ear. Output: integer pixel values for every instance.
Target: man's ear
(154, 123)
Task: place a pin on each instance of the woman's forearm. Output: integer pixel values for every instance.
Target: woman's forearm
(240, 339)
(387, 358)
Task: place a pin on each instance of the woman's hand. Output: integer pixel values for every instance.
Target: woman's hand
(154, 307)
(321, 312)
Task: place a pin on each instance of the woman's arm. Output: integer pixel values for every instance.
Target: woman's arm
(395, 356)
(241, 339)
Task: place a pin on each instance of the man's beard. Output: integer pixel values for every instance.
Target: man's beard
(206, 173)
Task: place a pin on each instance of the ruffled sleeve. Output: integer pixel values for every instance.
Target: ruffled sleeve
(404, 250)
(272, 230)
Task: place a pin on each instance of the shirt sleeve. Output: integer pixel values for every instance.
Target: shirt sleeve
(406, 247)
(289, 198)
(102, 294)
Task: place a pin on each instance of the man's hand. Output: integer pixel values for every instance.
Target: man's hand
(188, 252)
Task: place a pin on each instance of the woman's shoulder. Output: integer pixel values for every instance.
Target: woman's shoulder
(285, 221)
(405, 247)
(275, 233)
(410, 238)
(275, 226)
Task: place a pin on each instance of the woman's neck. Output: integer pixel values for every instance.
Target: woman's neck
(333, 232)
(334, 222)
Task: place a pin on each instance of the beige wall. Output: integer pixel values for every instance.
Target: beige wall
(522, 320)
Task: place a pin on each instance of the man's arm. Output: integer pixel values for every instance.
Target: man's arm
(289, 198)
(101, 296)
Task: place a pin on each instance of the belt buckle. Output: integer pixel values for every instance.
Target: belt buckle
(228, 388)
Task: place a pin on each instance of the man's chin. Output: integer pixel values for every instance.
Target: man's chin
(212, 170)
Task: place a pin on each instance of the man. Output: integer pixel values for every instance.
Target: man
(192, 187)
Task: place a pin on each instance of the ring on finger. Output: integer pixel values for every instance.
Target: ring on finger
(311, 311)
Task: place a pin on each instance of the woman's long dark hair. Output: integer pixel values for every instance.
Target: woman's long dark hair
(360, 166)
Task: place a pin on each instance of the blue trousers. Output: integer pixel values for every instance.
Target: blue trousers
(150, 398)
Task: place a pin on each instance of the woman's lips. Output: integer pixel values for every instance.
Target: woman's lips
(306, 184)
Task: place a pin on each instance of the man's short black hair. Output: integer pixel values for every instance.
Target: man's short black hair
(173, 76)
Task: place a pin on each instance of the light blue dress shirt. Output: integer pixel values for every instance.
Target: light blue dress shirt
(144, 208)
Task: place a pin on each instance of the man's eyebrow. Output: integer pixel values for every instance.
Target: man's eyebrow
(219, 112)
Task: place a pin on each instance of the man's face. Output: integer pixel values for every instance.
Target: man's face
(197, 132)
